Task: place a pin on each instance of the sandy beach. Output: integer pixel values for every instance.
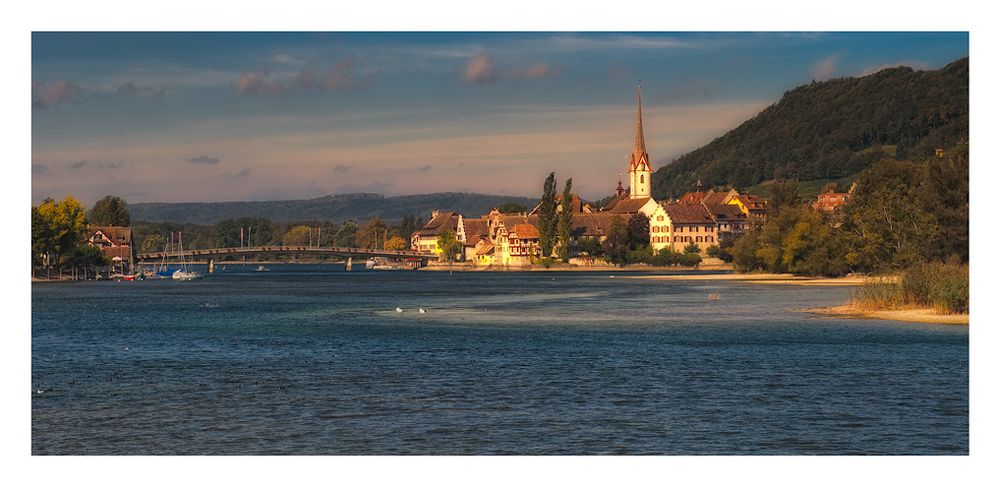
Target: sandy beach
(919, 315)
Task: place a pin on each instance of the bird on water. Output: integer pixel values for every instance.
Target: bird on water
(398, 309)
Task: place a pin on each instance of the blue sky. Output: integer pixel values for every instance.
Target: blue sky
(238, 116)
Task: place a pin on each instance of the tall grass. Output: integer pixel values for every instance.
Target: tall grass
(945, 287)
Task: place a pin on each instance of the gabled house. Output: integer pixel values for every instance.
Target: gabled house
(116, 245)
(425, 239)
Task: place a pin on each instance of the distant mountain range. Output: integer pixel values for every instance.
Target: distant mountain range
(832, 130)
(341, 207)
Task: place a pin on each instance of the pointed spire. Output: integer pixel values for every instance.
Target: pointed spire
(640, 141)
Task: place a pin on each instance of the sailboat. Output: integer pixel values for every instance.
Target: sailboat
(183, 274)
(163, 271)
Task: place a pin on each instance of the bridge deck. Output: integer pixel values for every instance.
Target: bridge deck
(286, 249)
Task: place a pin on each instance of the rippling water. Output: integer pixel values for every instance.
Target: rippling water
(313, 360)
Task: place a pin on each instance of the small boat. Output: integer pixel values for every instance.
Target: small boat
(370, 264)
(182, 275)
(261, 268)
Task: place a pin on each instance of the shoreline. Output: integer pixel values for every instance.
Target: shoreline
(778, 279)
(910, 315)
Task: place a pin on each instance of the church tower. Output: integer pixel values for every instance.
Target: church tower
(638, 166)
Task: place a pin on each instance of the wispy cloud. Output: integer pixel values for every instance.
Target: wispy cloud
(39, 169)
(211, 161)
(242, 173)
(480, 70)
(347, 73)
(131, 90)
(424, 168)
(824, 69)
(341, 168)
(918, 65)
(48, 95)
(77, 165)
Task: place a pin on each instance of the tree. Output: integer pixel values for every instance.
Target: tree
(42, 240)
(692, 248)
(712, 251)
(512, 207)
(297, 235)
(566, 221)
(616, 246)
(638, 231)
(110, 211)
(547, 216)
(67, 220)
(886, 224)
(153, 243)
(449, 245)
(347, 235)
(372, 233)
(784, 194)
(395, 243)
(411, 223)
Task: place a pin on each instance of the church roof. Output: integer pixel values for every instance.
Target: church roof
(639, 149)
(624, 204)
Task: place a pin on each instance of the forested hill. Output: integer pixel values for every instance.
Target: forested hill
(336, 208)
(833, 129)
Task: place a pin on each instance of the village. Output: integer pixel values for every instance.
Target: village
(696, 223)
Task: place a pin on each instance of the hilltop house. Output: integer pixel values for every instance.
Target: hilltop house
(116, 245)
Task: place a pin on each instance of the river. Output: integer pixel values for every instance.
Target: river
(308, 359)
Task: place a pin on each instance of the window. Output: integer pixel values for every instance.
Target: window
(642, 178)
(709, 239)
(659, 218)
(692, 229)
(698, 239)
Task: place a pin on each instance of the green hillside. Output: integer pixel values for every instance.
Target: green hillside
(832, 130)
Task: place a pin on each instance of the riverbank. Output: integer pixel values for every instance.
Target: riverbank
(707, 265)
(784, 279)
(915, 315)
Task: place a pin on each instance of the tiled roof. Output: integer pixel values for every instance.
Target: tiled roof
(752, 201)
(724, 212)
(684, 213)
(445, 220)
(692, 198)
(594, 224)
(627, 205)
(118, 235)
(715, 197)
(474, 229)
(525, 230)
(486, 249)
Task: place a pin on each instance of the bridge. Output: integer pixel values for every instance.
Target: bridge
(346, 253)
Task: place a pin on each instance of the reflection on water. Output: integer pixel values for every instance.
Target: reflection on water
(313, 360)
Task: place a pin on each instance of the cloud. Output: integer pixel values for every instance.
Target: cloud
(130, 90)
(917, 65)
(342, 168)
(258, 83)
(110, 165)
(536, 71)
(77, 165)
(47, 95)
(347, 73)
(39, 169)
(242, 173)
(211, 161)
(825, 68)
(426, 168)
(480, 70)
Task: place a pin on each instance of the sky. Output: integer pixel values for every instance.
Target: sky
(173, 117)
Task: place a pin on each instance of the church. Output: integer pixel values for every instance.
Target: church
(638, 197)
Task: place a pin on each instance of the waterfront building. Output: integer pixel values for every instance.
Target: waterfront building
(426, 239)
(116, 245)
(676, 225)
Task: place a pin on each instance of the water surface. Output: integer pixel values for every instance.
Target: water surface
(314, 360)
